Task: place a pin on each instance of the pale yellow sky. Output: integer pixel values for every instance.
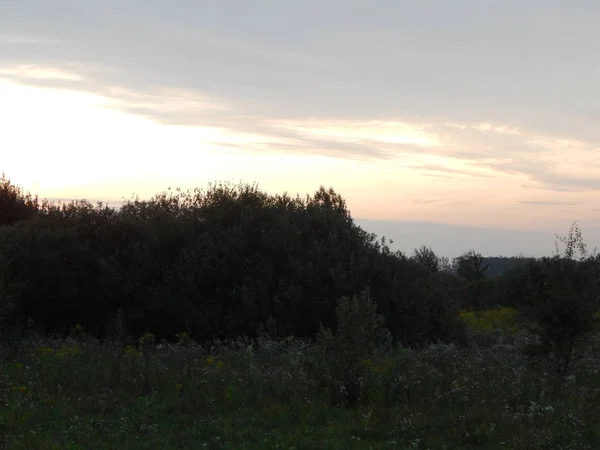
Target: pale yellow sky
(62, 143)
(464, 112)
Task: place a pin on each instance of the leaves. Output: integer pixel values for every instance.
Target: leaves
(223, 262)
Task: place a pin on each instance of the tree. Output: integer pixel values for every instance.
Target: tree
(15, 204)
(426, 256)
(219, 263)
(445, 264)
(360, 334)
(471, 267)
(565, 301)
(573, 241)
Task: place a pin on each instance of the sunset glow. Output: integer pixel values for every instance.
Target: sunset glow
(436, 127)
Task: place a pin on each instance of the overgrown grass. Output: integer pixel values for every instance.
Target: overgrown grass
(78, 393)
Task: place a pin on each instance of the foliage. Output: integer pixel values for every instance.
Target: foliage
(506, 319)
(360, 335)
(564, 301)
(564, 311)
(573, 242)
(427, 257)
(292, 323)
(15, 204)
(218, 263)
(471, 267)
(65, 393)
(498, 266)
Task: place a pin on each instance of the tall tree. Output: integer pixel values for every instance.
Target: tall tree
(15, 204)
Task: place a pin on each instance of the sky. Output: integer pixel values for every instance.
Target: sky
(472, 115)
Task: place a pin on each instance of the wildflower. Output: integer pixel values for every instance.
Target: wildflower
(67, 351)
(50, 401)
(131, 351)
(229, 392)
(179, 386)
(210, 361)
(183, 337)
(19, 365)
(220, 364)
(19, 388)
(147, 339)
(46, 350)
(502, 318)
(367, 363)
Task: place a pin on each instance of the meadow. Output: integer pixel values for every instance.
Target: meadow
(77, 392)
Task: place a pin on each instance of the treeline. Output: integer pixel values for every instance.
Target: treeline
(232, 261)
(499, 265)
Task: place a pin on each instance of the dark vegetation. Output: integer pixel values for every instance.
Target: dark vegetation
(232, 264)
(217, 264)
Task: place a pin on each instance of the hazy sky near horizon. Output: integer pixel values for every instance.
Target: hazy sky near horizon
(470, 112)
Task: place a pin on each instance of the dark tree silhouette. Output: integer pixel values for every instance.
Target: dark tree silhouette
(15, 204)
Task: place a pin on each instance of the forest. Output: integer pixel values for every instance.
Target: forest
(227, 317)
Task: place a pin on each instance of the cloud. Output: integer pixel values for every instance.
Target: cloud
(547, 203)
(427, 202)
(443, 89)
(26, 40)
(27, 72)
(568, 182)
(439, 170)
(355, 60)
(475, 150)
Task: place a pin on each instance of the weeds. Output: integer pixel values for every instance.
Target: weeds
(65, 393)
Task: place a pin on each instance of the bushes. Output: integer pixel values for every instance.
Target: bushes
(360, 335)
(78, 392)
(232, 261)
(562, 300)
(15, 204)
(219, 263)
(563, 307)
(506, 319)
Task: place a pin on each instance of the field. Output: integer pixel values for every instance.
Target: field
(80, 393)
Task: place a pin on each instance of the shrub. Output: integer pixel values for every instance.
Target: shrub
(506, 319)
(218, 264)
(360, 335)
(15, 204)
(564, 304)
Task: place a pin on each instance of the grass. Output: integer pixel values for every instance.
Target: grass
(78, 393)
